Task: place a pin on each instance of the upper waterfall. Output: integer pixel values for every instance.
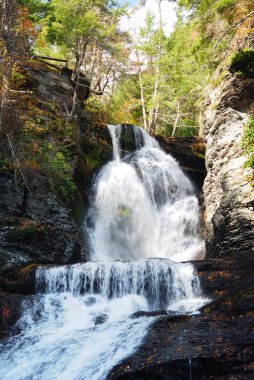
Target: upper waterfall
(144, 206)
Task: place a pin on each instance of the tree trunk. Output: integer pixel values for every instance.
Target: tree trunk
(142, 92)
(80, 55)
(153, 114)
(154, 110)
(142, 99)
(24, 202)
(8, 22)
(176, 120)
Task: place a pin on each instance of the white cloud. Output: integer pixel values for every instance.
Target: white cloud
(137, 15)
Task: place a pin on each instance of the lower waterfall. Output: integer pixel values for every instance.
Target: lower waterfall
(142, 225)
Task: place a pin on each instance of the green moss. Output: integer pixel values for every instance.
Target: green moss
(248, 144)
(97, 151)
(46, 144)
(25, 233)
(242, 62)
(223, 6)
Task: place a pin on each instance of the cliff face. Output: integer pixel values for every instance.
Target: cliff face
(37, 223)
(228, 195)
(45, 233)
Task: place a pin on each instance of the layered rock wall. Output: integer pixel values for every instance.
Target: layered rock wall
(228, 194)
(43, 232)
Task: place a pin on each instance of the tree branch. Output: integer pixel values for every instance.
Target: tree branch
(235, 25)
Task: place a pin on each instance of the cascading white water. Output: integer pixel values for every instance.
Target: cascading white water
(160, 281)
(80, 323)
(144, 206)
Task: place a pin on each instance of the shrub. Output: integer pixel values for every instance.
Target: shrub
(248, 142)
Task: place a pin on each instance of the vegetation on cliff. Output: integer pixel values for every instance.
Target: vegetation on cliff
(248, 145)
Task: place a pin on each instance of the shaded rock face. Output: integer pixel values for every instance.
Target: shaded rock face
(10, 312)
(216, 344)
(51, 85)
(228, 194)
(189, 152)
(43, 232)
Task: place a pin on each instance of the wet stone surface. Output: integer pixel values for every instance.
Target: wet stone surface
(216, 344)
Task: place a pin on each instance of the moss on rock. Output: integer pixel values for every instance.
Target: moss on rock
(242, 62)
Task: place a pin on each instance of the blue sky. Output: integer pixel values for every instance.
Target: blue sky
(131, 2)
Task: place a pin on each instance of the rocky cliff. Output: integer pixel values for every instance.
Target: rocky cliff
(46, 157)
(228, 194)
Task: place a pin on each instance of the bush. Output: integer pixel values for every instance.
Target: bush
(248, 143)
(55, 160)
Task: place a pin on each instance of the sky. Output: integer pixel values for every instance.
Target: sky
(137, 16)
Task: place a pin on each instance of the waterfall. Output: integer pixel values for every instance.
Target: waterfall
(160, 282)
(142, 225)
(144, 206)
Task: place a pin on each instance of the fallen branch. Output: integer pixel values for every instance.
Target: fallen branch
(235, 25)
(96, 92)
(19, 91)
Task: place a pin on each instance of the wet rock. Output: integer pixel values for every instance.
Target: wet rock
(89, 301)
(189, 152)
(216, 344)
(228, 194)
(156, 313)
(99, 319)
(19, 280)
(10, 312)
(96, 147)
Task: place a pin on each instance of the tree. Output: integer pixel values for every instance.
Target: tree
(38, 9)
(12, 46)
(86, 30)
(149, 51)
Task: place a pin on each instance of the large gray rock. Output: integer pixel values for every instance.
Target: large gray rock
(56, 86)
(228, 194)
